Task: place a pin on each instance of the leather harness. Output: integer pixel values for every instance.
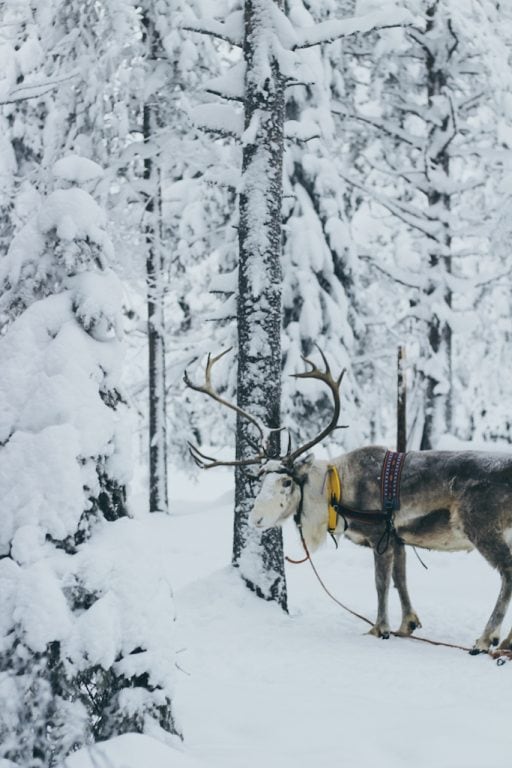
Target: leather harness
(389, 496)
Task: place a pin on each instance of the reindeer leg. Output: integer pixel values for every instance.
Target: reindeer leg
(498, 554)
(410, 620)
(491, 633)
(506, 644)
(383, 568)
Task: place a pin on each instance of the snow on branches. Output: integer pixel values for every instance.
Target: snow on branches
(286, 36)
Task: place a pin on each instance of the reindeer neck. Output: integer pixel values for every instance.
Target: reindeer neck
(314, 509)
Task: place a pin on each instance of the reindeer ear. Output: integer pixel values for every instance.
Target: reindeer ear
(305, 462)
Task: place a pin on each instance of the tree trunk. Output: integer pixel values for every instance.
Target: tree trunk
(259, 556)
(438, 392)
(158, 499)
(401, 403)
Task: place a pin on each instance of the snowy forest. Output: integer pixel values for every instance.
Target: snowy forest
(197, 198)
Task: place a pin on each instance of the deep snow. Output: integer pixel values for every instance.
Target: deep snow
(260, 688)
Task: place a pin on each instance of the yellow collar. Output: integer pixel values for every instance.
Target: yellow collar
(333, 486)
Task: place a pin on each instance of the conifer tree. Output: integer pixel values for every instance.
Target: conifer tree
(82, 654)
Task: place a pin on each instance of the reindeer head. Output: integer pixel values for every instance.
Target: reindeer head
(280, 494)
(282, 478)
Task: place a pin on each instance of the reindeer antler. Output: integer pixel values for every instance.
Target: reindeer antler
(207, 462)
(334, 386)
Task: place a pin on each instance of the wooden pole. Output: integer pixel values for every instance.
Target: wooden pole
(401, 403)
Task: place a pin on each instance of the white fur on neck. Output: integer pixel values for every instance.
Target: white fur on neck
(314, 511)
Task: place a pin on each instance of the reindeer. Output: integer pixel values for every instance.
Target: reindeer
(450, 501)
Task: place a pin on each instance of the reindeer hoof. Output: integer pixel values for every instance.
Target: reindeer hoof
(379, 631)
(485, 642)
(408, 625)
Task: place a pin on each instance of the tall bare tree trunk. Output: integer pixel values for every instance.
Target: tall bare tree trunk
(441, 44)
(158, 499)
(259, 555)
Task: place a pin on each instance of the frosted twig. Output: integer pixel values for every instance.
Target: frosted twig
(395, 276)
(220, 94)
(455, 131)
(386, 128)
(406, 213)
(331, 30)
(214, 28)
(27, 91)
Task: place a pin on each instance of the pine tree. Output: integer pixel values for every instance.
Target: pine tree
(74, 631)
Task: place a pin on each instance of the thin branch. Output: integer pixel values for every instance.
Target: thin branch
(492, 279)
(455, 130)
(302, 139)
(385, 127)
(394, 173)
(405, 208)
(419, 41)
(222, 132)
(397, 209)
(17, 99)
(227, 97)
(332, 30)
(216, 35)
(455, 38)
(412, 176)
(391, 275)
(36, 90)
(467, 103)
(214, 28)
(293, 83)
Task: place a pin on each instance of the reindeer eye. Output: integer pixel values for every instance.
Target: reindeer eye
(287, 483)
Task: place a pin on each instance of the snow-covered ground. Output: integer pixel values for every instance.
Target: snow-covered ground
(260, 689)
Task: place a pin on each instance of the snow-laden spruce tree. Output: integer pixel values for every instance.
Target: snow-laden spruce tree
(86, 617)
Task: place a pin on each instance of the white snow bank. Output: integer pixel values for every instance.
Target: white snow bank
(131, 751)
